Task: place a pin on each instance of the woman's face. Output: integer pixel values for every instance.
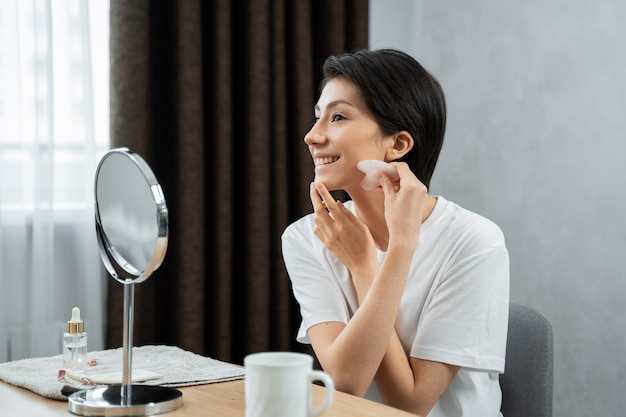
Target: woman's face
(345, 132)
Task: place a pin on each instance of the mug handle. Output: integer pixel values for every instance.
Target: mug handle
(329, 389)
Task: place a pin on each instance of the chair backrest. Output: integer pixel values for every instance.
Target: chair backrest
(527, 381)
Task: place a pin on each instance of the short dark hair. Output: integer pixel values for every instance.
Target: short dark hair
(402, 95)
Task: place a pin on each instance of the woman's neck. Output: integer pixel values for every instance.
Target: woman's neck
(369, 208)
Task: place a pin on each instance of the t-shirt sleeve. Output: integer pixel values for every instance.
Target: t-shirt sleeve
(314, 282)
(466, 320)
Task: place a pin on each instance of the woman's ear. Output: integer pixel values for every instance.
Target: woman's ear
(402, 144)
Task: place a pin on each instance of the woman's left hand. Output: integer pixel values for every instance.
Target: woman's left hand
(344, 234)
(405, 204)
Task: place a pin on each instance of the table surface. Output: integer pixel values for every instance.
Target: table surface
(224, 399)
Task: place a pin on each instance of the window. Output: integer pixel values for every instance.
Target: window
(54, 127)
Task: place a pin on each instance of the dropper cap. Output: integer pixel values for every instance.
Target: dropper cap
(75, 325)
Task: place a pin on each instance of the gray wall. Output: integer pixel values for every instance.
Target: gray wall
(536, 141)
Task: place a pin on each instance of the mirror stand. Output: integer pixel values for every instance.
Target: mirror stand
(126, 399)
(132, 245)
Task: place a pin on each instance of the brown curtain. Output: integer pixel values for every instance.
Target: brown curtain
(217, 96)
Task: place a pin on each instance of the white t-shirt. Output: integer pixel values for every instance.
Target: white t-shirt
(454, 308)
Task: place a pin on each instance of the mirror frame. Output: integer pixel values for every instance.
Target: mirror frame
(114, 262)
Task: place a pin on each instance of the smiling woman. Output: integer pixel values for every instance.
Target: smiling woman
(54, 118)
(403, 295)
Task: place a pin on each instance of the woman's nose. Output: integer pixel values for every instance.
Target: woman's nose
(313, 136)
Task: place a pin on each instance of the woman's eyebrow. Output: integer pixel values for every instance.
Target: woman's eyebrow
(334, 104)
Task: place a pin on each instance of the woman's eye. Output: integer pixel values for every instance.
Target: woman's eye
(315, 119)
(337, 117)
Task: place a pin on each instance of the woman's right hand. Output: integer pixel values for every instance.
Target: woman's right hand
(343, 233)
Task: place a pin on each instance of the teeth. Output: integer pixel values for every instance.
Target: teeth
(326, 160)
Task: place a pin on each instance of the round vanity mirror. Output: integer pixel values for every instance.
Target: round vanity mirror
(131, 216)
(131, 226)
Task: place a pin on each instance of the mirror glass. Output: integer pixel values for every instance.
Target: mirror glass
(131, 216)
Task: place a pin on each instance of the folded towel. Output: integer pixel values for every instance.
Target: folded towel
(167, 366)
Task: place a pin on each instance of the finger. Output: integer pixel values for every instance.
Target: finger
(408, 180)
(386, 184)
(403, 169)
(323, 219)
(329, 201)
(349, 215)
(316, 199)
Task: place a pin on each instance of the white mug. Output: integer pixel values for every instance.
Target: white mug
(278, 384)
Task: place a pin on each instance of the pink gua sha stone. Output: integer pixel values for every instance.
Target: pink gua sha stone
(370, 166)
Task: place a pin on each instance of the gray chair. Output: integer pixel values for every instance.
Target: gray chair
(528, 376)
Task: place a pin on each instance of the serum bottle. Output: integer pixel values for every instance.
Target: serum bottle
(75, 343)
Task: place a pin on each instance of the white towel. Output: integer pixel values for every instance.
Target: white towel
(167, 366)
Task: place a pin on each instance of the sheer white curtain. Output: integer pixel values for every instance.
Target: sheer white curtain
(53, 129)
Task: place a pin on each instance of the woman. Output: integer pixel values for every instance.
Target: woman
(403, 295)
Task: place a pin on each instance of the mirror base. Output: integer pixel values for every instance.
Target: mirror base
(146, 400)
